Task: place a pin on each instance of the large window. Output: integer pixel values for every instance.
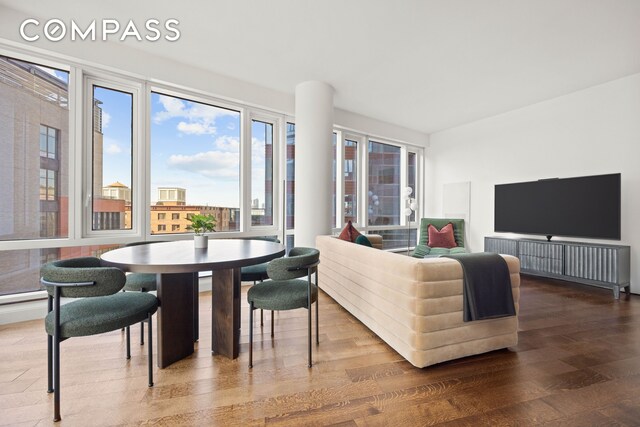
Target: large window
(261, 173)
(34, 166)
(384, 184)
(112, 159)
(108, 173)
(195, 162)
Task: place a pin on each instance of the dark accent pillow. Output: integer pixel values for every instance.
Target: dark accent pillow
(349, 233)
(442, 238)
(362, 240)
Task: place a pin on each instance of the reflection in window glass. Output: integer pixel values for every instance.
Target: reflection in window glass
(34, 156)
(112, 159)
(384, 184)
(350, 181)
(412, 160)
(195, 162)
(291, 172)
(21, 268)
(261, 173)
(334, 173)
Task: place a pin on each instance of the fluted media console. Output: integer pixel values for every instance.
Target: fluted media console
(606, 266)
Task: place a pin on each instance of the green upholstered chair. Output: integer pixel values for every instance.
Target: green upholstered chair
(423, 248)
(100, 308)
(286, 291)
(258, 273)
(140, 282)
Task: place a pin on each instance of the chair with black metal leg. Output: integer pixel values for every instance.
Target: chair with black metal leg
(140, 282)
(100, 308)
(258, 273)
(286, 291)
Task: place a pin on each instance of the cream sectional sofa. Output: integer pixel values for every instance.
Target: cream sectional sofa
(414, 305)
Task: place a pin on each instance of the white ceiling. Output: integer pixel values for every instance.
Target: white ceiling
(424, 64)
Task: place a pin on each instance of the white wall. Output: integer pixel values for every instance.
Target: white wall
(593, 131)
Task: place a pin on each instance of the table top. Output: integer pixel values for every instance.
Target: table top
(182, 257)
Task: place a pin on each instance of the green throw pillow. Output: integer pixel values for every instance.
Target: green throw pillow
(362, 240)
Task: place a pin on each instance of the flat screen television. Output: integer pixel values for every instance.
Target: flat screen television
(587, 206)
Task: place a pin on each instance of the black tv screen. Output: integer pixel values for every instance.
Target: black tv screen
(587, 206)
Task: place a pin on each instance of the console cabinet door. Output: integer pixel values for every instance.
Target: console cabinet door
(593, 263)
(501, 246)
(541, 257)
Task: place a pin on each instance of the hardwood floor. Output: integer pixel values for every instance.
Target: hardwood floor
(577, 363)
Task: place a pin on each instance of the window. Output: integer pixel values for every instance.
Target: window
(112, 159)
(175, 227)
(162, 216)
(412, 168)
(48, 142)
(291, 172)
(334, 173)
(48, 184)
(175, 216)
(384, 184)
(261, 173)
(195, 159)
(162, 227)
(350, 171)
(34, 154)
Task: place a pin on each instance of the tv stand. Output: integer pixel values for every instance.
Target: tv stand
(606, 266)
(549, 238)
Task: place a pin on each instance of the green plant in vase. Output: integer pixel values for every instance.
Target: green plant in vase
(201, 224)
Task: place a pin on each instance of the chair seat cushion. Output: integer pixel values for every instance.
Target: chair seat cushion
(142, 282)
(254, 273)
(281, 294)
(96, 315)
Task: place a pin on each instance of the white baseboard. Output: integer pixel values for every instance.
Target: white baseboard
(32, 310)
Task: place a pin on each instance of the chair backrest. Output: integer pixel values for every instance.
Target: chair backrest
(458, 229)
(280, 268)
(108, 280)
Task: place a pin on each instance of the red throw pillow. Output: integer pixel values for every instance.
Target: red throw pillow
(442, 238)
(349, 233)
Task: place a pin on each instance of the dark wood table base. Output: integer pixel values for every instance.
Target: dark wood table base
(225, 312)
(177, 322)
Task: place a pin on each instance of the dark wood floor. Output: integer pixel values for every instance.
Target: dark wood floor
(577, 363)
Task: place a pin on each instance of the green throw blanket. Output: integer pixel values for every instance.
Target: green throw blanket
(486, 286)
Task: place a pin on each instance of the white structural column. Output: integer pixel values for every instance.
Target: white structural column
(314, 156)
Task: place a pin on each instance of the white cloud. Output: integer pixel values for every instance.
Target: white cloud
(111, 146)
(106, 119)
(227, 143)
(199, 119)
(212, 164)
(112, 149)
(173, 107)
(202, 128)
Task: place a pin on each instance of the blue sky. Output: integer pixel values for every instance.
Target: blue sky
(193, 146)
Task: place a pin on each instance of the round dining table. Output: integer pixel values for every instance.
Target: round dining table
(177, 265)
